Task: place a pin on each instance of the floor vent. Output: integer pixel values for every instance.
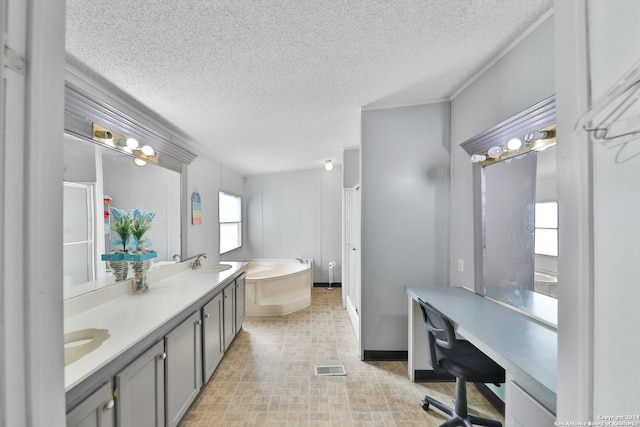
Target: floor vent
(330, 370)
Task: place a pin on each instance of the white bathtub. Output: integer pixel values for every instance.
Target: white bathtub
(277, 287)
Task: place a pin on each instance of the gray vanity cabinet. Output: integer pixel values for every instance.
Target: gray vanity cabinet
(213, 345)
(95, 411)
(229, 324)
(241, 312)
(183, 367)
(140, 400)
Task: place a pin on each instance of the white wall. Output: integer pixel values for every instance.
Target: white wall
(509, 86)
(405, 208)
(615, 47)
(296, 215)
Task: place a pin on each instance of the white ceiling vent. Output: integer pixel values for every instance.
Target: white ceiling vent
(335, 370)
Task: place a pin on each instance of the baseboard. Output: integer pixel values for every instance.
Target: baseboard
(429, 376)
(383, 355)
(326, 285)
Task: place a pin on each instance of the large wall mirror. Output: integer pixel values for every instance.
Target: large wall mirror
(98, 177)
(92, 174)
(516, 212)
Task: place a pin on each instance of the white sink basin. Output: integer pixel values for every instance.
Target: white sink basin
(82, 342)
(214, 268)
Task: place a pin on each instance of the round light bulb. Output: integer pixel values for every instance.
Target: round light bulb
(147, 150)
(132, 143)
(328, 165)
(514, 144)
(139, 162)
(495, 152)
(478, 158)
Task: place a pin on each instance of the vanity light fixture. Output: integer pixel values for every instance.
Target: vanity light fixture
(125, 144)
(139, 162)
(103, 134)
(328, 165)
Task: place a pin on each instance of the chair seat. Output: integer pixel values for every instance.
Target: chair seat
(467, 362)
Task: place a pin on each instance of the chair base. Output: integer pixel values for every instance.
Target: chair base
(459, 415)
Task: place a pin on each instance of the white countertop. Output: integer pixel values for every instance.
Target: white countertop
(129, 318)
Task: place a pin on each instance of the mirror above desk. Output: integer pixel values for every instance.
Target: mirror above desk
(516, 212)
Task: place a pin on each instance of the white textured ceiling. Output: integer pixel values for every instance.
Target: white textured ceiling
(271, 86)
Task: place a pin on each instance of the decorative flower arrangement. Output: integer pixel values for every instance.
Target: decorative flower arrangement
(122, 225)
(140, 224)
(130, 246)
(131, 227)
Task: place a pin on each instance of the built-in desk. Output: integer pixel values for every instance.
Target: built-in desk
(525, 348)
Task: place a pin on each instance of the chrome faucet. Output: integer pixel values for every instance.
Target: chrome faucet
(176, 258)
(302, 261)
(197, 263)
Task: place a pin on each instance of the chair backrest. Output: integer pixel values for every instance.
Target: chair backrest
(440, 332)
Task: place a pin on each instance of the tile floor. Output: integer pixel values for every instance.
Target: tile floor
(267, 378)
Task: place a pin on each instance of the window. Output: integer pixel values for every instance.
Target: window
(546, 228)
(230, 207)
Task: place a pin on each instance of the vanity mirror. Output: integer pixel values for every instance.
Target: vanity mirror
(516, 212)
(98, 176)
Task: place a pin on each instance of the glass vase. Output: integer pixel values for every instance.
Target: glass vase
(120, 269)
(140, 273)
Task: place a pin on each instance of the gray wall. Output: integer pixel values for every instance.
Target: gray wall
(296, 215)
(511, 85)
(209, 177)
(351, 167)
(405, 210)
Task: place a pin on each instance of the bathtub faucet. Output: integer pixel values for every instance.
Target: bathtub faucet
(197, 263)
(302, 261)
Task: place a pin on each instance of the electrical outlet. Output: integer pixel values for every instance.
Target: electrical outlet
(460, 265)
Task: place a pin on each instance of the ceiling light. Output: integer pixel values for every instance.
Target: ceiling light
(514, 144)
(139, 162)
(146, 149)
(328, 165)
(132, 143)
(495, 152)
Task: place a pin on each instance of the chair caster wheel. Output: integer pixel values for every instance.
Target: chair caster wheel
(425, 405)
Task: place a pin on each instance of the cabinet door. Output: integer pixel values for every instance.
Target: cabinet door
(241, 313)
(140, 400)
(95, 411)
(229, 315)
(212, 335)
(184, 368)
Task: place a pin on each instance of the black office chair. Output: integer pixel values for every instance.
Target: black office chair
(462, 360)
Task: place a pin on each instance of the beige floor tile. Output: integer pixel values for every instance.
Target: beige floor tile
(267, 378)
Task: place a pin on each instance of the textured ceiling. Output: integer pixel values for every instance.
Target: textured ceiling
(271, 86)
